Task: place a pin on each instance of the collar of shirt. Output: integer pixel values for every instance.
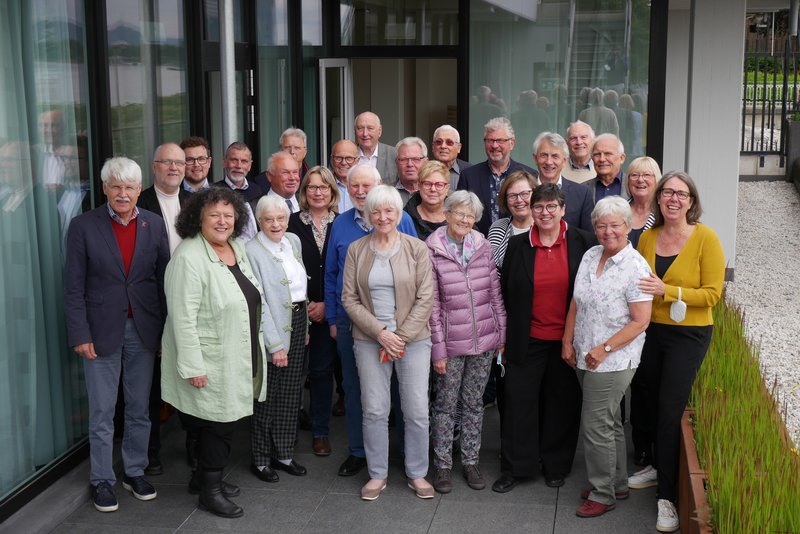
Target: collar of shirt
(536, 241)
(291, 199)
(558, 183)
(363, 223)
(189, 188)
(455, 168)
(622, 255)
(589, 165)
(503, 173)
(233, 185)
(276, 249)
(373, 159)
(116, 218)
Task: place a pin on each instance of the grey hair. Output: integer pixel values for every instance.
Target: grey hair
(610, 137)
(613, 205)
(596, 96)
(447, 128)
(384, 195)
(293, 132)
(554, 139)
(498, 123)
(123, 169)
(580, 123)
(159, 148)
(238, 145)
(464, 198)
(271, 202)
(411, 141)
(366, 167)
(277, 155)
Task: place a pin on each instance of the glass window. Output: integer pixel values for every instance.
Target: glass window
(211, 29)
(545, 65)
(147, 77)
(273, 74)
(312, 22)
(44, 183)
(397, 22)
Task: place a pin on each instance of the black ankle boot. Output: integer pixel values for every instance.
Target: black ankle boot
(212, 499)
(229, 490)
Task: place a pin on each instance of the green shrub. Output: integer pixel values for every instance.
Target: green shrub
(753, 468)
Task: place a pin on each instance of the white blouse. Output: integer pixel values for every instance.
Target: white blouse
(295, 272)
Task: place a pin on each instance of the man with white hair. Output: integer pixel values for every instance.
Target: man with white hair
(579, 167)
(347, 228)
(446, 148)
(283, 174)
(411, 154)
(368, 132)
(115, 309)
(608, 155)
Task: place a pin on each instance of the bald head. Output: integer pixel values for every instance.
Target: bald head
(368, 131)
(344, 155)
(169, 164)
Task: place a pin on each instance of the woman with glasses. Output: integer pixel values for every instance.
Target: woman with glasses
(277, 264)
(542, 394)
(426, 206)
(687, 272)
(514, 198)
(643, 173)
(467, 330)
(319, 199)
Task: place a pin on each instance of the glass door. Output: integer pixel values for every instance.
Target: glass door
(335, 103)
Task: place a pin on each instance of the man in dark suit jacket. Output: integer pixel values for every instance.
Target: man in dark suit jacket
(237, 162)
(608, 155)
(446, 147)
(550, 152)
(368, 132)
(485, 178)
(115, 309)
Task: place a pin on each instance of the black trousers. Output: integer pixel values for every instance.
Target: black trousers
(214, 443)
(542, 412)
(660, 389)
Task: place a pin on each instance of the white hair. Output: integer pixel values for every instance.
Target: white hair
(271, 203)
(365, 167)
(412, 141)
(613, 205)
(384, 195)
(123, 169)
(447, 128)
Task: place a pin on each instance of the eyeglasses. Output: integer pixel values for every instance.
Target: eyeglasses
(522, 195)
(418, 159)
(319, 188)
(464, 216)
(171, 162)
(430, 186)
(669, 193)
(539, 208)
(643, 176)
(496, 140)
(603, 227)
(346, 159)
(202, 160)
(440, 142)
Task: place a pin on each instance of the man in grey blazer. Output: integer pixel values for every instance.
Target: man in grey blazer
(368, 132)
(115, 309)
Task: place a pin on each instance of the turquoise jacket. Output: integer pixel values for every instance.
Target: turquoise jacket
(208, 333)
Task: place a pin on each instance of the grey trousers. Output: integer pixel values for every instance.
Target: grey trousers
(603, 434)
(413, 370)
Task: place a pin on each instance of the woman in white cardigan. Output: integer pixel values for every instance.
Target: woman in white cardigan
(277, 263)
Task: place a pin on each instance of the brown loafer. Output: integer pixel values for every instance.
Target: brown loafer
(421, 488)
(372, 493)
(322, 446)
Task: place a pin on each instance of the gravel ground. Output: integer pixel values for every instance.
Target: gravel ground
(766, 285)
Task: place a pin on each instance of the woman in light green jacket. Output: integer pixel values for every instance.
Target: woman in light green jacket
(213, 357)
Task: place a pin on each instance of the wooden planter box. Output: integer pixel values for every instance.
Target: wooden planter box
(692, 505)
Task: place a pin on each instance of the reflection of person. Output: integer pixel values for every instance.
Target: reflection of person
(598, 116)
(466, 290)
(277, 264)
(319, 198)
(51, 130)
(603, 338)
(115, 310)
(388, 294)
(542, 394)
(643, 173)
(514, 198)
(212, 364)
(426, 206)
(687, 264)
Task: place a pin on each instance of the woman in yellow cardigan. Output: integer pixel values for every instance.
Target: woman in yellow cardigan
(688, 270)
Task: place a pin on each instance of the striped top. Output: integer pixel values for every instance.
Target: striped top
(499, 233)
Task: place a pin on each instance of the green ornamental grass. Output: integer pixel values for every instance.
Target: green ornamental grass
(752, 467)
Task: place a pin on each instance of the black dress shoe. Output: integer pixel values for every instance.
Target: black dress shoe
(154, 467)
(554, 481)
(293, 468)
(352, 466)
(642, 458)
(267, 475)
(504, 484)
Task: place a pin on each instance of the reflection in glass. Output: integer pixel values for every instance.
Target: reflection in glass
(274, 102)
(312, 22)
(553, 65)
(147, 77)
(211, 21)
(398, 23)
(44, 184)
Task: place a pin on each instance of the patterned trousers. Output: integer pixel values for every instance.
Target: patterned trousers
(463, 381)
(274, 422)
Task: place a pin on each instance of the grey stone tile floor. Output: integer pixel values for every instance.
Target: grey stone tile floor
(323, 502)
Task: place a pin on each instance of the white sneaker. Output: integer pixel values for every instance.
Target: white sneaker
(646, 478)
(667, 517)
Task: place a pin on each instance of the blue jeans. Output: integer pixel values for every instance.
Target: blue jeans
(102, 380)
(321, 360)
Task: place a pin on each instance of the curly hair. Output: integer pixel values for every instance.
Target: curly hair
(190, 219)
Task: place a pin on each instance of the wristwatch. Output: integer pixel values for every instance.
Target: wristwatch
(607, 348)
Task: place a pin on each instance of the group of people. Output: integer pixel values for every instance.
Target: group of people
(562, 293)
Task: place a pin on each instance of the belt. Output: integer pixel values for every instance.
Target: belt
(297, 306)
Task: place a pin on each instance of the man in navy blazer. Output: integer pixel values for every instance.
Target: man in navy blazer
(115, 311)
(550, 152)
(485, 178)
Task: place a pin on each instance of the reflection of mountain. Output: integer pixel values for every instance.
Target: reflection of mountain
(123, 33)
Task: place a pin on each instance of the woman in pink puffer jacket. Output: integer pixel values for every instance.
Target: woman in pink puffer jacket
(468, 326)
